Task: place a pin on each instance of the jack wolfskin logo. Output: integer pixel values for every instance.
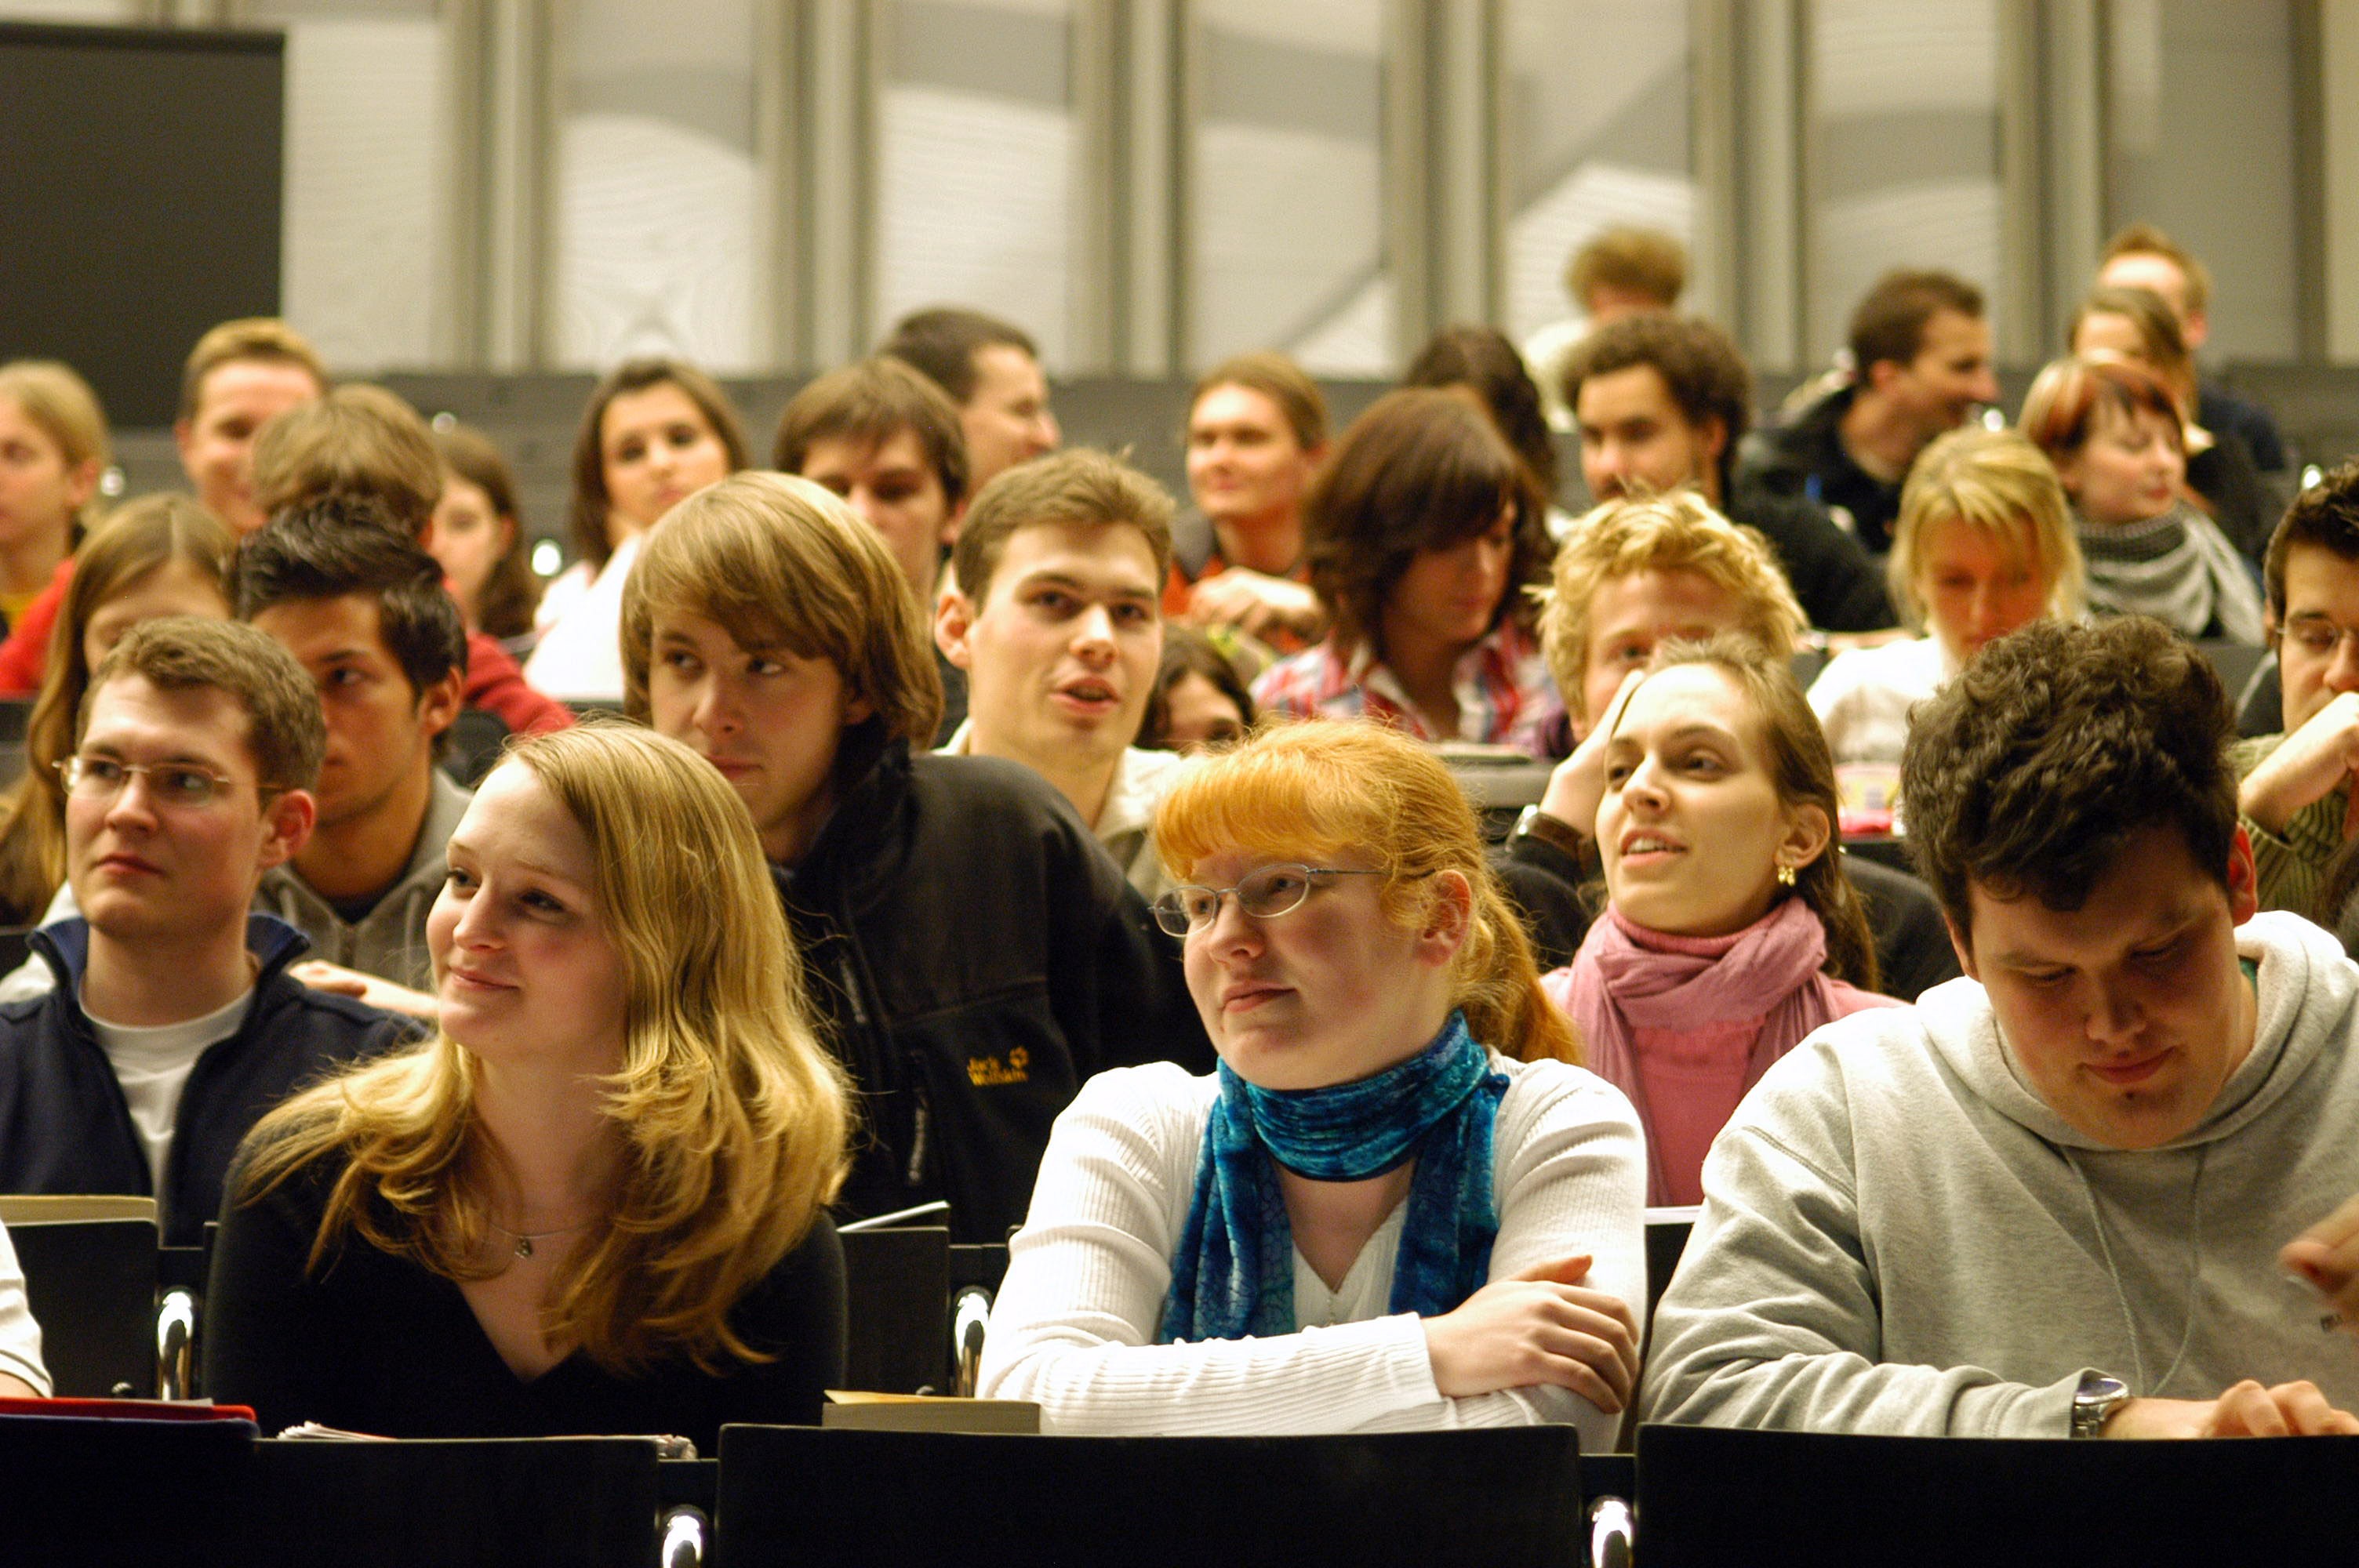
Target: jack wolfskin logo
(985, 1070)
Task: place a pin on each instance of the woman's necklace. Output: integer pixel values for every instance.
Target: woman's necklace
(525, 1238)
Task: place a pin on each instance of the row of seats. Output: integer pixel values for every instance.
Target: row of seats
(206, 1492)
(220, 1492)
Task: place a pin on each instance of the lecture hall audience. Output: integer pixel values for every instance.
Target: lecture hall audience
(1982, 1215)
(2295, 798)
(655, 431)
(2143, 256)
(1984, 544)
(363, 611)
(1617, 273)
(1055, 613)
(240, 376)
(992, 370)
(1327, 1152)
(1731, 930)
(479, 539)
(1920, 364)
(1661, 401)
(362, 443)
(161, 555)
(888, 440)
(1638, 574)
(53, 448)
(1257, 433)
(173, 1024)
(2222, 479)
(1479, 363)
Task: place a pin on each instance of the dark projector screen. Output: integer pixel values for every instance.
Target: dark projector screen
(139, 199)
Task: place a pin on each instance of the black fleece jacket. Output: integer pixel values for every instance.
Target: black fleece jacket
(975, 956)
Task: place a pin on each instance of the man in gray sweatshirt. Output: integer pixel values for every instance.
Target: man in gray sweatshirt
(2049, 1200)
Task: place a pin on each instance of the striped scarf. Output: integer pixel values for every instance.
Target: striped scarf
(2178, 568)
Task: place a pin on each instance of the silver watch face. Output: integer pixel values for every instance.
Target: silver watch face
(2093, 1401)
(2095, 1393)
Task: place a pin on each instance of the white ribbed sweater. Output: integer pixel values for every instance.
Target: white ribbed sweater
(1074, 1326)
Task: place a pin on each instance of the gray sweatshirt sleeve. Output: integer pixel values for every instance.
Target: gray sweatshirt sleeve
(1774, 1318)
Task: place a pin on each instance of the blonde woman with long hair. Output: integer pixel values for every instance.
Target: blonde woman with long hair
(595, 1201)
(1399, 1203)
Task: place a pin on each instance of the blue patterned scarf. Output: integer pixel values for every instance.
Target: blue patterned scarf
(1234, 1274)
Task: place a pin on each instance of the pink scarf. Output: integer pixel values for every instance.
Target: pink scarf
(1748, 997)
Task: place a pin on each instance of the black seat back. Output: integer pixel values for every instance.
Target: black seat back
(128, 1491)
(91, 1287)
(1508, 1497)
(587, 1500)
(1709, 1496)
(1667, 1238)
(897, 1291)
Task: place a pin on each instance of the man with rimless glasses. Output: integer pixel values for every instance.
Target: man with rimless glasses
(2296, 795)
(174, 1025)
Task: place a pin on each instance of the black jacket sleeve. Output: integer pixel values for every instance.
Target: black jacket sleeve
(1547, 885)
(1140, 1011)
(1912, 941)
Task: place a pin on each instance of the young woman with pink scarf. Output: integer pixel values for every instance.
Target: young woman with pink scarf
(1731, 931)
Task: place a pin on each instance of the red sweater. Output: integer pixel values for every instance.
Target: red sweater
(27, 650)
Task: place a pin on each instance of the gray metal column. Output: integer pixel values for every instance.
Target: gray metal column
(2338, 65)
(1772, 204)
(778, 174)
(1442, 175)
(1147, 176)
(2071, 109)
(502, 187)
(1405, 184)
(1094, 240)
(1718, 261)
(825, 251)
(1465, 188)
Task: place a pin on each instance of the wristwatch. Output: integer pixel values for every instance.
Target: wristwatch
(2097, 1398)
(1554, 831)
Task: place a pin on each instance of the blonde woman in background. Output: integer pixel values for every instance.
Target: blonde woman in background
(1983, 545)
(53, 448)
(161, 555)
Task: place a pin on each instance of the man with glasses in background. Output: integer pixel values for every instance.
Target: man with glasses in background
(174, 1024)
(2296, 795)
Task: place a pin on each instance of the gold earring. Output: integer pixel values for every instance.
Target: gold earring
(1785, 875)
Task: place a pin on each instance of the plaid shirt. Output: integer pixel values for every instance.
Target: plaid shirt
(1505, 694)
(2291, 865)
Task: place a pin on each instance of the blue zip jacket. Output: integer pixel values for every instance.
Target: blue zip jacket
(65, 1127)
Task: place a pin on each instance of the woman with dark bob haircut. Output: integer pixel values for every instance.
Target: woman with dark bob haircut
(1426, 530)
